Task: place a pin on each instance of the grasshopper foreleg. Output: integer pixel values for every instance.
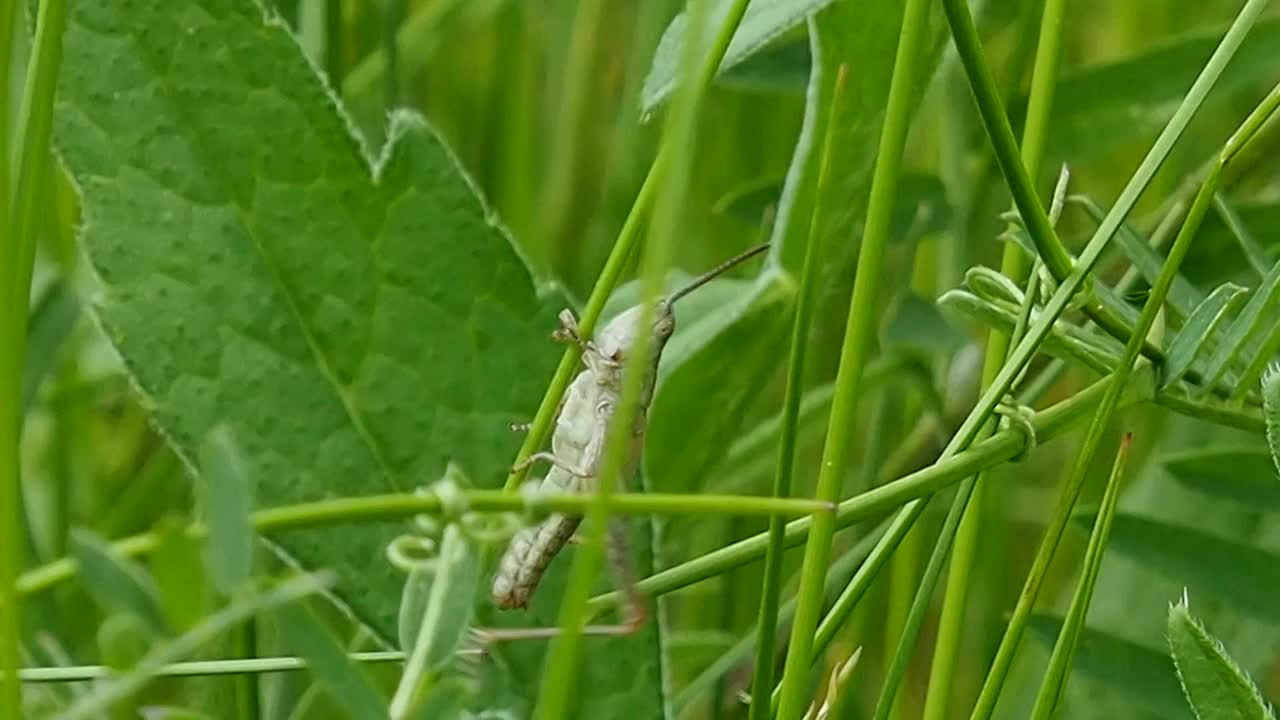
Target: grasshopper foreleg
(554, 460)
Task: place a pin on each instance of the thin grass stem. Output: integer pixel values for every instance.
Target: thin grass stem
(854, 353)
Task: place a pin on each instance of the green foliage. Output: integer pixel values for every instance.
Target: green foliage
(1216, 687)
(1271, 411)
(764, 22)
(324, 243)
(346, 685)
(228, 499)
(1139, 672)
(1234, 573)
(116, 583)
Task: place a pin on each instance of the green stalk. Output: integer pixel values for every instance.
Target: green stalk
(920, 605)
(8, 13)
(771, 591)
(1055, 677)
(200, 668)
(678, 139)
(17, 256)
(1116, 386)
(968, 45)
(853, 354)
(573, 105)
(391, 507)
(628, 237)
(1013, 265)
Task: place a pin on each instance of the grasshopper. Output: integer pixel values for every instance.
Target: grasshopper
(577, 445)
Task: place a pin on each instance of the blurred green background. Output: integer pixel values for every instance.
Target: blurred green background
(541, 101)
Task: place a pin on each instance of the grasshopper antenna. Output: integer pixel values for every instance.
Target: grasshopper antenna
(706, 277)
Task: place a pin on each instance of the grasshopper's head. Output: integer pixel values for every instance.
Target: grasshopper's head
(619, 336)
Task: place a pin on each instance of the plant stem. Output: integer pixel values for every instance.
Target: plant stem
(400, 506)
(771, 590)
(920, 605)
(620, 450)
(853, 353)
(1004, 146)
(1013, 265)
(17, 256)
(199, 668)
(1116, 386)
(1055, 677)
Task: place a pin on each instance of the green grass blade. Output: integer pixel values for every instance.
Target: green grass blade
(1197, 333)
(228, 501)
(1249, 245)
(116, 583)
(18, 230)
(1071, 488)
(771, 590)
(52, 320)
(921, 602)
(346, 684)
(1246, 327)
(1183, 296)
(1055, 676)
(853, 354)
(1215, 686)
(1135, 671)
(107, 694)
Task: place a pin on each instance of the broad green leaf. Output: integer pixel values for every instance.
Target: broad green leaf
(1144, 675)
(1100, 107)
(1245, 331)
(1271, 411)
(763, 22)
(863, 36)
(1065, 341)
(178, 569)
(52, 320)
(720, 359)
(1215, 686)
(1200, 327)
(1241, 576)
(228, 500)
(116, 583)
(357, 323)
(1243, 474)
(346, 684)
(354, 329)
